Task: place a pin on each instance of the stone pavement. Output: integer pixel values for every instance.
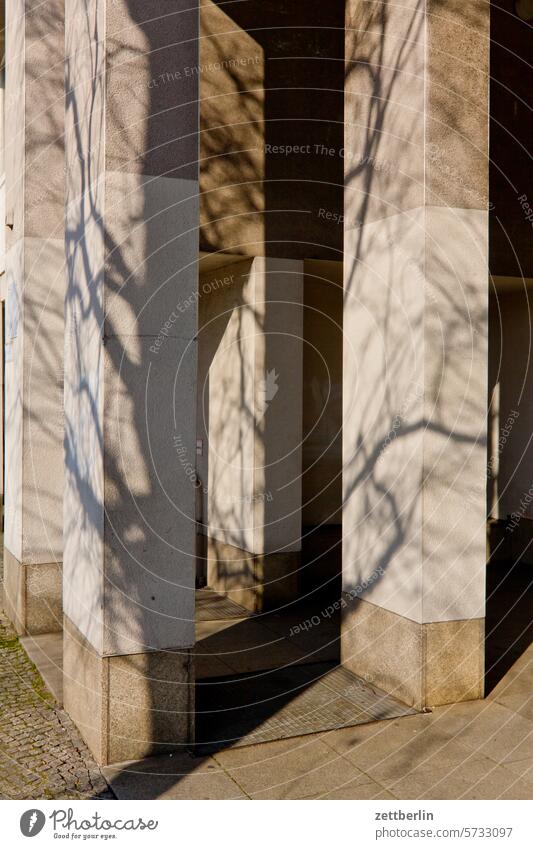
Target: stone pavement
(41, 753)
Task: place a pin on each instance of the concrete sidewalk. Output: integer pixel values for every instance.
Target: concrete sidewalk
(471, 750)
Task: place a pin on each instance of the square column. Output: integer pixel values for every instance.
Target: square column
(415, 349)
(250, 421)
(130, 385)
(35, 291)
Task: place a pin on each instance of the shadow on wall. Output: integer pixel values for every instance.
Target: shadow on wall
(509, 626)
(131, 246)
(415, 331)
(511, 128)
(130, 384)
(271, 168)
(35, 288)
(508, 629)
(271, 140)
(125, 282)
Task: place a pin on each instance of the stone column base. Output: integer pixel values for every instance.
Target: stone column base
(258, 582)
(423, 665)
(127, 707)
(33, 595)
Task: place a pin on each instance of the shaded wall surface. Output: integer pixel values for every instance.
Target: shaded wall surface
(322, 394)
(271, 145)
(511, 130)
(510, 449)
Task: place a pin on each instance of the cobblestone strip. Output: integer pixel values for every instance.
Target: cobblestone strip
(41, 753)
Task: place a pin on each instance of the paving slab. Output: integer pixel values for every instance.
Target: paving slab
(389, 750)
(474, 778)
(487, 726)
(172, 777)
(294, 769)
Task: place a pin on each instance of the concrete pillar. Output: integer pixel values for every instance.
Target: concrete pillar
(35, 284)
(415, 352)
(130, 382)
(250, 421)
